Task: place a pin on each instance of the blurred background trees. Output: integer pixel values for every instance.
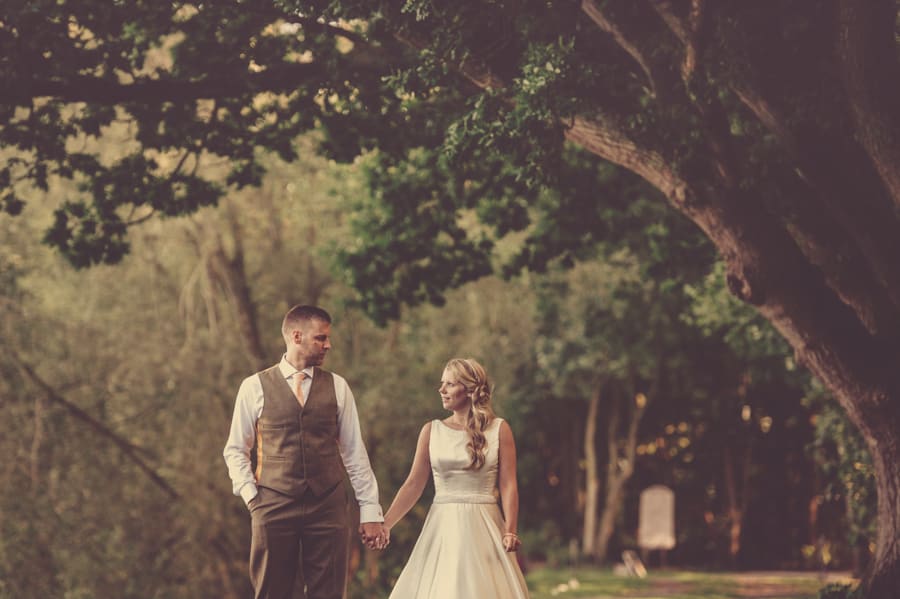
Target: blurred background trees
(616, 373)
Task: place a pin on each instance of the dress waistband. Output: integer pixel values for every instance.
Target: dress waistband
(464, 498)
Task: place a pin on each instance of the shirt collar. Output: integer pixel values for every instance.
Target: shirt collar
(287, 370)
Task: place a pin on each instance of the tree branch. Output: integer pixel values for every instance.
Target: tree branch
(616, 31)
(666, 83)
(127, 448)
(603, 136)
(315, 26)
(693, 41)
(870, 230)
(597, 133)
(869, 67)
(868, 224)
(472, 68)
(664, 9)
(848, 272)
(85, 88)
(765, 266)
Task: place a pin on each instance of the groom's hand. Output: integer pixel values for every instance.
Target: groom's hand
(374, 535)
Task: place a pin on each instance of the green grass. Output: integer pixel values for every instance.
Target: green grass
(601, 583)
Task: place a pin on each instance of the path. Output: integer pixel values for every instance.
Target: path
(749, 585)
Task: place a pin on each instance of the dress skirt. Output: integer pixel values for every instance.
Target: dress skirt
(460, 555)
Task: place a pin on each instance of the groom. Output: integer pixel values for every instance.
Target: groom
(304, 424)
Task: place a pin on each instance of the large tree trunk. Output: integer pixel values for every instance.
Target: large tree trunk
(883, 578)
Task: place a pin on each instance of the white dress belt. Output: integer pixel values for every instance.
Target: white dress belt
(464, 498)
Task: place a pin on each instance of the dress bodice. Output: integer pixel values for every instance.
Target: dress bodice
(454, 481)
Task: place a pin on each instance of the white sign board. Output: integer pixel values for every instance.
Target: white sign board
(656, 518)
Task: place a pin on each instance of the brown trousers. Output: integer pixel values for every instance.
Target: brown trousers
(313, 531)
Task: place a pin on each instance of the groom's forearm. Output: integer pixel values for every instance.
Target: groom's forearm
(370, 513)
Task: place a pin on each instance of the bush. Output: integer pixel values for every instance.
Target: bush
(839, 591)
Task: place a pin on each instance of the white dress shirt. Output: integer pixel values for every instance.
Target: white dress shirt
(249, 406)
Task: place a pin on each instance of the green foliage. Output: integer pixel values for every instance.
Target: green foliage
(717, 313)
(192, 83)
(846, 466)
(424, 235)
(840, 591)
(837, 448)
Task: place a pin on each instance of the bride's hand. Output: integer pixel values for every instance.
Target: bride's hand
(511, 542)
(385, 539)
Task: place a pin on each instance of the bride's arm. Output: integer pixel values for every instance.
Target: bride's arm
(415, 482)
(509, 488)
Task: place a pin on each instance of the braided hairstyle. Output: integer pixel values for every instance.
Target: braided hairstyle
(474, 378)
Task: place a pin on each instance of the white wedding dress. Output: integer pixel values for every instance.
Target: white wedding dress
(459, 554)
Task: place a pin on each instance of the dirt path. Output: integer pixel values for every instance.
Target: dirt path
(749, 585)
(771, 585)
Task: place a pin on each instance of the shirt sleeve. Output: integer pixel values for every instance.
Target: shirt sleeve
(354, 455)
(247, 408)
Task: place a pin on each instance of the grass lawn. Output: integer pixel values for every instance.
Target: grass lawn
(601, 583)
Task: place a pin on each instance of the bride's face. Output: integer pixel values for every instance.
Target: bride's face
(454, 396)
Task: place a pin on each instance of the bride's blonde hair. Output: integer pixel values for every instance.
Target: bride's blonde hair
(474, 378)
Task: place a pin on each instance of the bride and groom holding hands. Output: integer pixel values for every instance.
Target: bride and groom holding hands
(303, 423)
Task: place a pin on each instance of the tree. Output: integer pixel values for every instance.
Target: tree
(846, 468)
(612, 336)
(755, 423)
(774, 131)
(592, 347)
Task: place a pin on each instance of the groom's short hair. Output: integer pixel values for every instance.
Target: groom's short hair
(303, 313)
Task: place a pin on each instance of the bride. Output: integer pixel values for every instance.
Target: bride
(465, 549)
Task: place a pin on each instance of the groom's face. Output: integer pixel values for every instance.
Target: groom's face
(314, 341)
